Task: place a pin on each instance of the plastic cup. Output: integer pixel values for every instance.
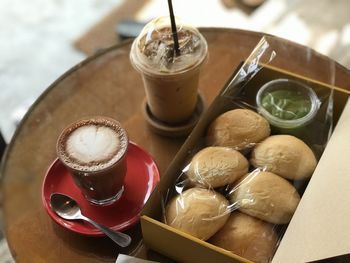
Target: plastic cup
(279, 113)
(170, 81)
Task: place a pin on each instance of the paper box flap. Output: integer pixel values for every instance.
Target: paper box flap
(320, 227)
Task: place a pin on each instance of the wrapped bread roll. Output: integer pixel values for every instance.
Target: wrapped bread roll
(286, 156)
(247, 237)
(266, 196)
(239, 128)
(217, 166)
(198, 212)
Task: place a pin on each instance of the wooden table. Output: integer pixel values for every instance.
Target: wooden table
(106, 84)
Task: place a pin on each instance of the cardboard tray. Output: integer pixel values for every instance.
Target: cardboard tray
(181, 246)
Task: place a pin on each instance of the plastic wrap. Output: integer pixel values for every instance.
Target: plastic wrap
(246, 174)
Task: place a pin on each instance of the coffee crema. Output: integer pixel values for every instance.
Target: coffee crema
(92, 145)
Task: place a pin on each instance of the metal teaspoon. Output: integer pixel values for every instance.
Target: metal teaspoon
(67, 208)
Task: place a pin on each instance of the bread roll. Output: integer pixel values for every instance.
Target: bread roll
(239, 128)
(198, 212)
(217, 166)
(266, 196)
(247, 237)
(286, 156)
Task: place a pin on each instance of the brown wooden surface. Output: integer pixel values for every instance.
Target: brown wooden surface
(106, 84)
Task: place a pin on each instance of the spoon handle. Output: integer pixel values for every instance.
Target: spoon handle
(120, 238)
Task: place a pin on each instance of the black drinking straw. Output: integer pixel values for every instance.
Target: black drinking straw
(173, 28)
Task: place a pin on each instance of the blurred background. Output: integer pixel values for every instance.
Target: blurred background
(41, 39)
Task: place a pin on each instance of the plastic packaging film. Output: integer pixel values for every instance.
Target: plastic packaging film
(240, 189)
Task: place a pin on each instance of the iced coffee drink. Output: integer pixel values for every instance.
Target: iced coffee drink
(94, 151)
(170, 78)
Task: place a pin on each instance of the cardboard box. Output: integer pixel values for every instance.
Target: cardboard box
(185, 248)
(320, 226)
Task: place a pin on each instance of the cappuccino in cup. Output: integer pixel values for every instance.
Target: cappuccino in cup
(94, 151)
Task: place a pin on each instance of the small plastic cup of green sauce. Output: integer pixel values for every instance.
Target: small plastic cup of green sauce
(287, 103)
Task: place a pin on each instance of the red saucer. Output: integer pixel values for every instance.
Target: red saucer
(142, 176)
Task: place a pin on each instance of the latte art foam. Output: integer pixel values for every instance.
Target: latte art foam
(92, 145)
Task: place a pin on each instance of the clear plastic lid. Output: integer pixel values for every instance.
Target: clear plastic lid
(287, 103)
(153, 50)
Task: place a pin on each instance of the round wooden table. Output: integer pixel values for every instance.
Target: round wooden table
(106, 84)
